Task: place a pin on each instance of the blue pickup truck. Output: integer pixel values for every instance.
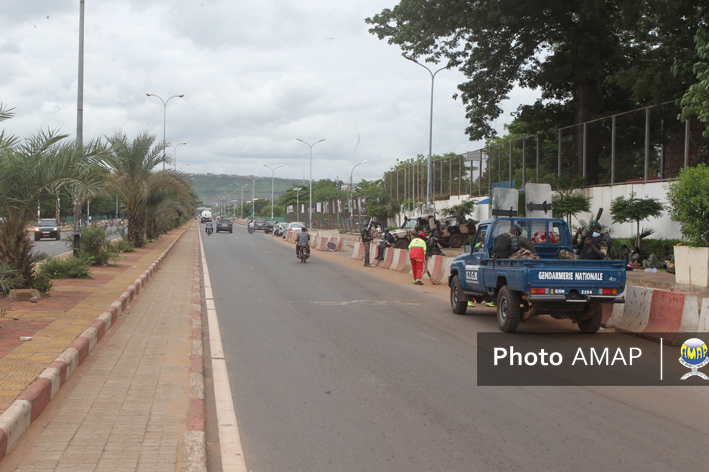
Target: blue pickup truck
(522, 288)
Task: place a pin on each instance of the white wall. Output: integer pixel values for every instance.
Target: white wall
(601, 197)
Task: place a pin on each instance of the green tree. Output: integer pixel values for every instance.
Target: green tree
(135, 181)
(379, 203)
(581, 56)
(39, 166)
(567, 203)
(627, 210)
(688, 198)
(696, 100)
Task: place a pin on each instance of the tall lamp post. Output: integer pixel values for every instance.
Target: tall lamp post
(174, 153)
(297, 203)
(164, 121)
(242, 200)
(352, 188)
(253, 197)
(310, 203)
(273, 171)
(430, 128)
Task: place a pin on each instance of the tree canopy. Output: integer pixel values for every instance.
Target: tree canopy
(586, 58)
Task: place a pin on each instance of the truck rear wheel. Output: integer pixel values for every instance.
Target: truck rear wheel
(456, 240)
(401, 244)
(457, 305)
(591, 325)
(508, 309)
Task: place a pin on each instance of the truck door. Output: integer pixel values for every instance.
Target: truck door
(473, 274)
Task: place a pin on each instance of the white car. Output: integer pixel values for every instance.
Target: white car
(294, 226)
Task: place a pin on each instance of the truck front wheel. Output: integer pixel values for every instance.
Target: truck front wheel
(456, 240)
(508, 309)
(591, 325)
(457, 305)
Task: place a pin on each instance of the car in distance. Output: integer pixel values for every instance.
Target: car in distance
(260, 224)
(270, 225)
(294, 227)
(47, 228)
(224, 225)
(279, 229)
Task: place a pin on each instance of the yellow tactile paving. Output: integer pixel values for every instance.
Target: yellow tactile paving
(20, 367)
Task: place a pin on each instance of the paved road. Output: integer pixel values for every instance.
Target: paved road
(333, 369)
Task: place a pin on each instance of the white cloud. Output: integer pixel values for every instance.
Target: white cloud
(256, 76)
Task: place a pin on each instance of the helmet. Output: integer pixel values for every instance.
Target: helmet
(422, 235)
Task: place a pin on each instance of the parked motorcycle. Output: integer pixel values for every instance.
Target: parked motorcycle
(303, 252)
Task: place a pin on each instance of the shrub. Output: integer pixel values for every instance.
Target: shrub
(95, 246)
(9, 278)
(69, 268)
(688, 196)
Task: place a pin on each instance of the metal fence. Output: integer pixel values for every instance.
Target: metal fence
(640, 145)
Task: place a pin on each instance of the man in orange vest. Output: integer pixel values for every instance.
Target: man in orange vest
(417, 254)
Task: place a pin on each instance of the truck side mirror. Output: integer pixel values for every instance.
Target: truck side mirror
(468, 248)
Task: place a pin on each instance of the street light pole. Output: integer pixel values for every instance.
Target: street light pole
(297, 203)
(273, 171)
(164, 121)
(253, 198)
(352, 189)
(430, 128)
(174, 153)
(310, 204)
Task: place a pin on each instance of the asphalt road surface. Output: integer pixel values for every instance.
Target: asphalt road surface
(333, 369)
(52, 247)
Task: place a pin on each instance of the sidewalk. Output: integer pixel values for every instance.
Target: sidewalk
(137, 403)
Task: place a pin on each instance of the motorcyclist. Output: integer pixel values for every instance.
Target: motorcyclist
(208, 227)
(302, 240)
(252, 226)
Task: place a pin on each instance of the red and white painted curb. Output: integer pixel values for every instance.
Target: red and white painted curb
(35, 398)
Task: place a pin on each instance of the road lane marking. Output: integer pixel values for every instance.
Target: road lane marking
(232, 452)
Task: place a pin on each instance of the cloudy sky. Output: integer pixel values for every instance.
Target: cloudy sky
(255, 76)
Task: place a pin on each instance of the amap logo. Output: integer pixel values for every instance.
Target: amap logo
(694, 356)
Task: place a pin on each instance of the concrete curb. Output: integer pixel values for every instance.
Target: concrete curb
(35, 398)
(195, 437)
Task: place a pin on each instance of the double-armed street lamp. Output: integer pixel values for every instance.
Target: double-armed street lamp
(174, 153)
(310, 203)
(430, 128)
(352, 187)
(273, 170)
(164, 121)
(253, 198)
(297, 203)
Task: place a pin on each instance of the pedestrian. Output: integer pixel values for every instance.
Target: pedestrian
(366, 239)
(417, 254)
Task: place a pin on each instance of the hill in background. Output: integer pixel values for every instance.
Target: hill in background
(211, 187)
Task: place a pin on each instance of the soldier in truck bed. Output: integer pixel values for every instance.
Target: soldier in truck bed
(512, 245)
(593, 244)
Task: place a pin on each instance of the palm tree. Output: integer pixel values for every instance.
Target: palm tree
(168, 209)
(38, 166)
(134, 180)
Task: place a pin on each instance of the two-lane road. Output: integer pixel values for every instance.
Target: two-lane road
(334, 370)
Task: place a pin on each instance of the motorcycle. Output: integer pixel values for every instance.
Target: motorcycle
(209, 231)
(303, 252)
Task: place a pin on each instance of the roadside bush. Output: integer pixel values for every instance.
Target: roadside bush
(69, 268)
(95, 246)
(125, 245)
(650, 246)
(688, 196)
(9, 278)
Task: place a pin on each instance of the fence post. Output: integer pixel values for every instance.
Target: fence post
(613, 150)
(647, 142)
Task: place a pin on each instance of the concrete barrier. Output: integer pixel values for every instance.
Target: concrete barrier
(400, 262)
(636, 311)
(703, 326)
(358, 252)
(388, 257)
